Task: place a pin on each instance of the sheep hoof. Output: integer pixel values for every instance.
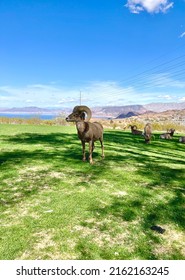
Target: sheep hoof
(84, 159)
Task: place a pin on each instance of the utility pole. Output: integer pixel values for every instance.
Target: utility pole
(80, 97)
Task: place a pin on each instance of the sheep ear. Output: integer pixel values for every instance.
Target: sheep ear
(82, 116)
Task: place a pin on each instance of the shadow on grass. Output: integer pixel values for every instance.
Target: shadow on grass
(62, 152)
(62, 149)
(160, 164)
(163, 167)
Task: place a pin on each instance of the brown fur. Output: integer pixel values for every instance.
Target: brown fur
(168, 134)
(135, 131)
(147, 133)
(87, 132)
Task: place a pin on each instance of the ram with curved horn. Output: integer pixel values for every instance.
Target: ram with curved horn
(134, 130)
(87, 132)
(168, 135)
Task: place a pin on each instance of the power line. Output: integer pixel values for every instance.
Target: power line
(174, 67)
(80, 97)
(147, 73)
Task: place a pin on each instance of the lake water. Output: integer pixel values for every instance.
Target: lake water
(29, 116)
(40, 116)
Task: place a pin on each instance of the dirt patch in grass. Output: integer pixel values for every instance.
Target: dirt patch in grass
(120, 193)
(44, 247)
(58, 175)
(107, 231)
(34, 169)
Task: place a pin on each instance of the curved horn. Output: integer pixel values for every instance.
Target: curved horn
(83, 108)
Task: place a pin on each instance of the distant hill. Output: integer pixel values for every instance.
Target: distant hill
(161, 107)
(134, 110)
(117, 111)
(175, 116)
(33, 110)
(124, 109)
(128, 115)
(28, 110)
(104, 111)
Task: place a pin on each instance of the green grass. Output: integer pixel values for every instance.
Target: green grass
(54, 206)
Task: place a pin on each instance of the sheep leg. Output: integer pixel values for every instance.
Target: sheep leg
(147, 138)
(102, 148)
(91, 145)
(83, 151)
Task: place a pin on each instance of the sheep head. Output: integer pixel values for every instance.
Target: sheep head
(171, 131)
(79, 113)
(133, 127)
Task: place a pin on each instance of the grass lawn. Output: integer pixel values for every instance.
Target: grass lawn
(54, 206)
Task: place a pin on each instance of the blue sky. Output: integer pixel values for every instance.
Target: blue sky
(114, 52)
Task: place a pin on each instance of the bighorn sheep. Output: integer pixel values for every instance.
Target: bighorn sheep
(147, 133)
(182, 139)
(168, 134)
(87, 131)
(134, 130)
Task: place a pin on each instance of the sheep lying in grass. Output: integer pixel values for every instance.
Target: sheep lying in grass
(134, 130)
(168, 134)
(182, 139)
(87, 131)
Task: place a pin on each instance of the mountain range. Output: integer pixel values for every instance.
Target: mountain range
(104, 111)
(134, 110)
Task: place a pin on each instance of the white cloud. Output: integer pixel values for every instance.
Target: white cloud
(182, 35)
(41, 95)
(96, 93)
(67, 100)
(29, 101)
(107, 93)
(182, 99)
(151, 6)
(165, 97)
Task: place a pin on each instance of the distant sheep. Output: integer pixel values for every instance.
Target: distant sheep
(134, 130)
(147, 133)
(168, 134)
(182, 139)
